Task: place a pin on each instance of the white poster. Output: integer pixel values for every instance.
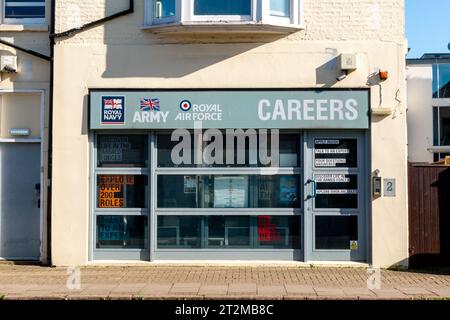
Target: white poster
(230, 192)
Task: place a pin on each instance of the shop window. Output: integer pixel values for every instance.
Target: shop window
(335, 232)
(228, 191)
(228, 232)
(121, 191)
(278, 232)
(278, 191)
(122, 151)
(336, 191)
(121, 232)
(288, 154)
(19, 11)
(179, 231)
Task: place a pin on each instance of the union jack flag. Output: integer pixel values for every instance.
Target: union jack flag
(149, 104)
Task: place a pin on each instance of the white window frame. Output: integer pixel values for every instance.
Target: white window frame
(24, 20)
(260, 12)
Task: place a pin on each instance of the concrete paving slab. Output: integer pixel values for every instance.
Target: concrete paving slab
(295, 289)
(242, 288)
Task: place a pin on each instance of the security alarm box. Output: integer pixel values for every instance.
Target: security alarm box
(348, 61)
(8, 64)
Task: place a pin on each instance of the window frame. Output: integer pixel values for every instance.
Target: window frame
(6, 20)
(260, 13)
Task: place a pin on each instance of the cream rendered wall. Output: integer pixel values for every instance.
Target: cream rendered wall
(419, 79)
(122, 55)
(34, 74)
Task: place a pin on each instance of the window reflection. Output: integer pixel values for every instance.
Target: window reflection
(223, 7)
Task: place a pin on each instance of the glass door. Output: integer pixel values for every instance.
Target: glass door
(335, 196)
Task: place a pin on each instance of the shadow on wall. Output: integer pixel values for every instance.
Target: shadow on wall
(135, 52)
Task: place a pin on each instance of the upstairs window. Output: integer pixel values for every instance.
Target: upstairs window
(23, 11)
(280, 8)
(222, 8)
(282, 13)
(164, 9)
(441, 80)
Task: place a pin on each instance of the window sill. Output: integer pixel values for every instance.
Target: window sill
(219, 27)
(24, 27)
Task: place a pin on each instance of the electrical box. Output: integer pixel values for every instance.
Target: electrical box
(8, 64)
(348, 61)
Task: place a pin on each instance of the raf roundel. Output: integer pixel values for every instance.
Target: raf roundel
(185, 105)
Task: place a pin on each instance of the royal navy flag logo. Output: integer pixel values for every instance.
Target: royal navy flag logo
(113, 110)
(149, 104)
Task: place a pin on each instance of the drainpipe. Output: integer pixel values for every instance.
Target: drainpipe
(53, 37)
(50, 134)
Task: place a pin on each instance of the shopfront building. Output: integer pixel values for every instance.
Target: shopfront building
(278, 174)
(206, 140)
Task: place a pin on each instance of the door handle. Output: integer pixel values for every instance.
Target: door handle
(314, 189)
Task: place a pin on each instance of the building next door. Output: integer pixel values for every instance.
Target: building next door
(20, 201)
(335, 196)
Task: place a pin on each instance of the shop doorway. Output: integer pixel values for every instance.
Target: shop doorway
(335, 196)
(20, 201)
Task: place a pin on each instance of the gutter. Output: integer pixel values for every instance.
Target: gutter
(90, 25)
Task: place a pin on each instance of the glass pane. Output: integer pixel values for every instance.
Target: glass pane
(121, 232)
(445, 125)
(164, 8)
(177, 192)
(179, 232)
(435, 81)
(436, 124)
(335, 232)
(336, 191)
(121, 191)
(228, 231)
(289, 150)
(278, 191)
(222, 7)
(279, 232)
(245, 152)
(166, 145)
(122, 151)
(335, 153)
(280, 8)
(444, 81)
(228, 191)
(14, 10)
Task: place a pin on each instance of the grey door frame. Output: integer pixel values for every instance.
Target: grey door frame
(312, 254)
(40, 140)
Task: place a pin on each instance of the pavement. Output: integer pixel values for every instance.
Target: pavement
(218, 282)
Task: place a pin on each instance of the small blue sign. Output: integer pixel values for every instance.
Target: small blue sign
(113, 110)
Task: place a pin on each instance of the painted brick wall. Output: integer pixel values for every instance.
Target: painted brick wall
(329, 20)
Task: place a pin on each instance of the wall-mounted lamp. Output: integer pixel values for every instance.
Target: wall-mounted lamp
(384, 75)
(19, 132)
